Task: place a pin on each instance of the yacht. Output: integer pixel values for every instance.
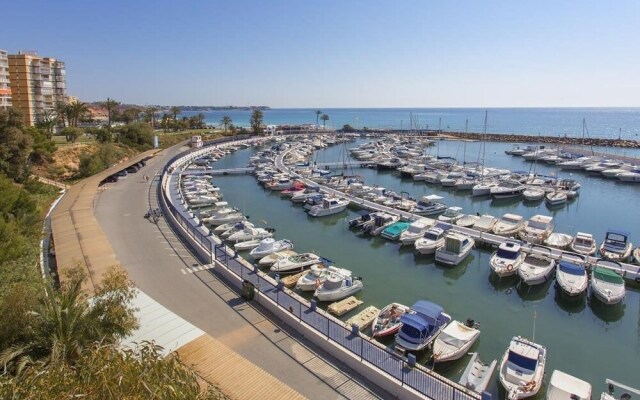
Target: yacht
(415, 230)
(522, 368)
(616, 246)
(456, 248)
(420, 326)
(483, 189)
(249, 233)
(538, 229)
(572, 278)
(316, 276)
(509, 225)
(536, 269)
(430, 241)
(224, 215)
(337, 287)
(451, 215)
(272, 258)
(429, 205)
(507, 189)
(295, 263)
(507, 259)
(268, 246)
(563, 386)
(583, 244)
(607, 285)
(329, 206)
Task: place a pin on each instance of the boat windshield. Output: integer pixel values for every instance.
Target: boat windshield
(431, 236)
(522, 361)
(509, 220)
(413, 332)
(537, 225)
(583, 241)
(508, 254)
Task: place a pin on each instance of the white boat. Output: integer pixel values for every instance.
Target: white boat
(221, 229)
(420, 326)
(269, 245)
(558, 240)
(381, 220)
(563, 386)
(572, 278)
(454, 341)
(607, 285)
(271, 259)
(337, 287)
(477, 375)
(416, 230)
(485, 223)
(507, 189)
(316, 276)
(250, 233)
(451, 215)
(295, 263)
(522, 368)
(224, 215)
(457, 247)
(507, 259)
(533, 194)
(509, 225)
(536, 268)
(467, 221)
(555, 199)
(329, 206)
(483, 189)
(303, 195)
(280, 184)
(629, 176)
(387, 322)
(583, 244)
(616, 246)
(538, 229)
(429, 205)
(430, 241)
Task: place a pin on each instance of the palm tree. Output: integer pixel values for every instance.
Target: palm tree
(62, 110)
(110, 104)
(324, 119)
(175, 111)
(77, 111)
(226, 121)
(318, 113)
(47, 121)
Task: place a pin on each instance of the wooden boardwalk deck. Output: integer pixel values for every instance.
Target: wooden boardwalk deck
(237, 377)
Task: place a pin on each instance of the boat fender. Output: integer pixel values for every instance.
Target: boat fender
(637, 279)
(510, 267)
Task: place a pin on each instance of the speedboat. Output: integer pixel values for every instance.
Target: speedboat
(451, 215)
(250, 233)
(507, 259)
(467, 221)
(337, 287)
(246, 245)
(280, 184)
(303, 195)
(616, 246)
(316, 276)
(507, 189)
(429, 205)
(583, 244)
(380, 222)
(387, 322)
(483, 189)
(522, 368)
(329, 206)
(485, 223)
(271, 259)
(357, 223)
(533, 194)
(457, 246)
(509, 225)
(393, 231)
(536, 268)
(607, 285)
(563, 386)
(572, 278)
(415, 230)
(455, 340)
(420, 326)
(538, 229)
(269, 245)
(430, 241)
(295, 263)
(555, 199)
(477, 375)
(222, 229)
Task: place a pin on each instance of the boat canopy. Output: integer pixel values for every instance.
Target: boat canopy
(572, 269)
(415, 321)
(432, 197)
(430, 311)
(607, 275)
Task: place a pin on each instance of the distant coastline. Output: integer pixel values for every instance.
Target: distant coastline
(222, 108)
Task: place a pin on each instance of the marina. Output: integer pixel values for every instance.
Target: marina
(528, 297)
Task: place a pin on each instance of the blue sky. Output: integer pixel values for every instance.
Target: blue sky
(338, 53)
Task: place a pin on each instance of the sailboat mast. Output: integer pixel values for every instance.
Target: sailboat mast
(464, 149)
(484, 139)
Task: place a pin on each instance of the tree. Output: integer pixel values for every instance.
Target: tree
(225, 121)
(138, 135)
(110, 105)
(15, 146)
(77, 110)
(256, 121)
(62, 111)
(47, 121)
(175, 111)
(324, 119)
(346, 128)
(71, 134)
(318, 113)
(150, 115)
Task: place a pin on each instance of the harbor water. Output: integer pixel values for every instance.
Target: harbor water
(583, 337)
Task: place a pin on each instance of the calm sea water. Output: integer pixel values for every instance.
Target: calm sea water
(582, 336)
(601, 122)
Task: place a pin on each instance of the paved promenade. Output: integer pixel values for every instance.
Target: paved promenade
(164, 269)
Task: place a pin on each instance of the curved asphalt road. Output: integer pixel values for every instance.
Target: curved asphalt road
(164, 269)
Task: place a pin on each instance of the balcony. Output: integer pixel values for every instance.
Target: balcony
(60, 85)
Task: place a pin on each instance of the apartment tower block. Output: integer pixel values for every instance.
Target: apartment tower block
(5, 87)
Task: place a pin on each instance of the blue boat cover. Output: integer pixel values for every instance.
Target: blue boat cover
(572, 269)
(428, 310)
(416, 321)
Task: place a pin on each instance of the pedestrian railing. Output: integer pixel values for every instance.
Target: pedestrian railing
(406, 373)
